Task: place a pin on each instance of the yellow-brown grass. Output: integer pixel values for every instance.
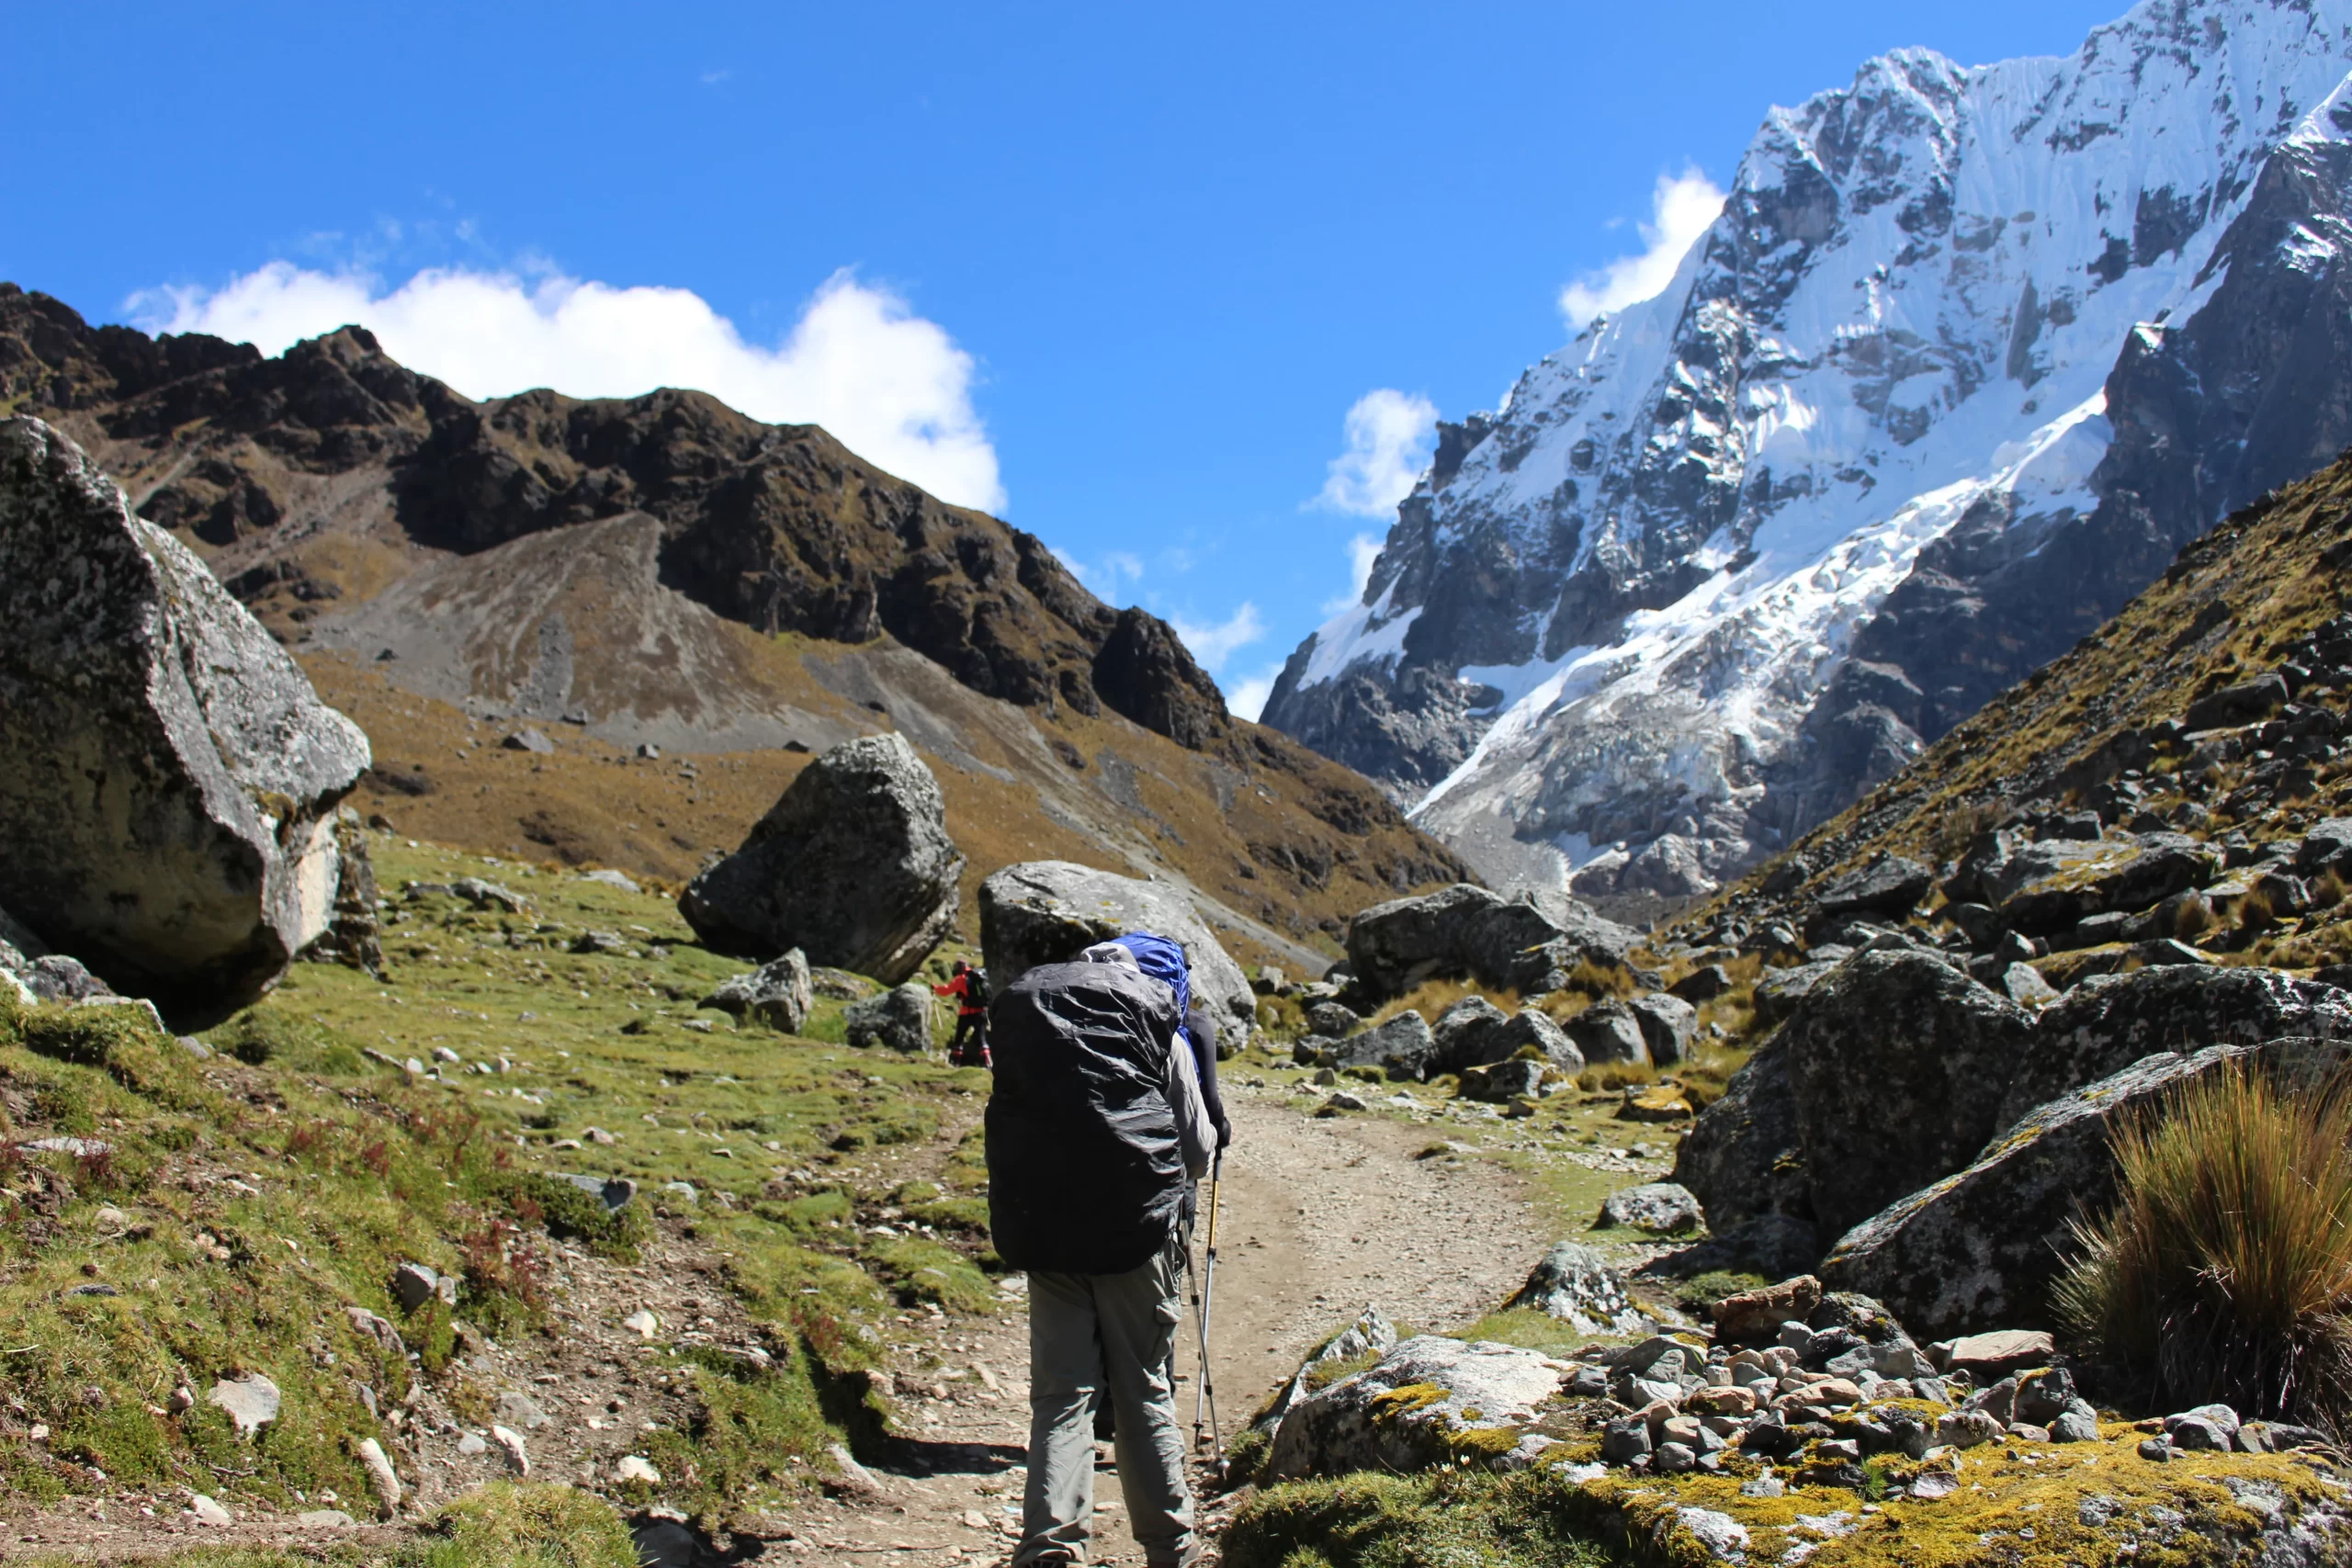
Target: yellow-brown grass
(2223, 1270)
(1432, 997)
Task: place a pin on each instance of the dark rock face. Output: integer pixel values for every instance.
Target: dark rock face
(1474, 1032)
(1403, 1047)
(1889, 885)
(1145, 673)
(1897, 1065)
(167, 801)
(852, 865)
(1744, 1157)
(1049, 911)
(2106, 1023)
(1466, 932)
(1980, 1248)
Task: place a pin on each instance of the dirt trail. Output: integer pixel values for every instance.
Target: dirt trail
(1322, 1216)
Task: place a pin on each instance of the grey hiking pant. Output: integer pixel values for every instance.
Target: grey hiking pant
(1091, 1334)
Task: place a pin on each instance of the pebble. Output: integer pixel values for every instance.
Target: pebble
(2156, 1449)
(209, 1512)
(472, 1444)
(642, 1323)
(381, 1478)
(251, 1400)
(637, 1467)
(510, 1443)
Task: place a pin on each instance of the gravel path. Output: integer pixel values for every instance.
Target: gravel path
(1321, 1217)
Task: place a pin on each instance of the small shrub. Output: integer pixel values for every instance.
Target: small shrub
(2223, 1270)
(572, 1213)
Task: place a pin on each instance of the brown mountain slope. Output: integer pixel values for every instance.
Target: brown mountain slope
(2103, 725)
(664, 573)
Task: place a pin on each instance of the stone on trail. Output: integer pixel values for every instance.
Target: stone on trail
(415, 1284)
(326, 1519)
(168, 777)
(1049, 911)
(252, 1402)
(1467, 932)
(510, 1445)
(777, 994)
(1575, 1284)
(1428, 1401)
(1660, 1208)
(900, 1018)
(852, 865)
(472, 1445)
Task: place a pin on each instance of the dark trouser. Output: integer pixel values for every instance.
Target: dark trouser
(1091, 1335)
(969, 1045)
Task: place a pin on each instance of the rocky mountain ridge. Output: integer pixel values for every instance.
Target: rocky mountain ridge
(1969, 354)
(668, 593)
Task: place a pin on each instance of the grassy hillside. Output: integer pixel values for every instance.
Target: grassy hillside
(172, 1219)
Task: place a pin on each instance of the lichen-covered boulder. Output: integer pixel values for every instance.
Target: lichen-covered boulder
(778, 994)
(852, 865)
(1742, 1155)
(1474, 1032)
(168, 778)
(2108, 1022)
(1980, 1248)
(1575, 1283)
(1607, 1030)
(1371, 1333)
(1661, 1208)
(1466, 933)
(1667, 1025)
(1428, 1402)
(1402, 1047)
(1049, 912)
(1897, 1062)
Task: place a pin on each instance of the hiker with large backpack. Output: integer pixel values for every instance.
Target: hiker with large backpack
(1096, 1132)
(969, 985)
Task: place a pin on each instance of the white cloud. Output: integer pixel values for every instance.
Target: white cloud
(892, 386)
(1117, 568)
(1390, 435)
(1680, 209)
(1213, 645)
(1363, 551)
(1248, 697)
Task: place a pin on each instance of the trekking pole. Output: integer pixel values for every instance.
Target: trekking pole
(1203, 1300)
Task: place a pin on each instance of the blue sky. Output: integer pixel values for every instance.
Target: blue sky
(1121, 273)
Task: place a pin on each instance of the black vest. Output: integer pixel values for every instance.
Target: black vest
(1085, 1172)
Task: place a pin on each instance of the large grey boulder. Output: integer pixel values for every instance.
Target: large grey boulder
(1609, 1030)
(1371, 1333)
(2105, 1023)
(1897, 1062)
(779, 995)
(1888, 886)
(1980, 1248)
(1403, 1047)
(2048, 887)
(1049, 912)
(1667, 1025)
(168, 778)
(900, 1018)
(34, 973)
(1459, 1387)
(1742, 1155)
(1466, 933)
(852, 865)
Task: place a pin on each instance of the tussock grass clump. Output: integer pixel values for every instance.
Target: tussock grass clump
(1440, 1517)
(2223, 1271)
(1432, 997)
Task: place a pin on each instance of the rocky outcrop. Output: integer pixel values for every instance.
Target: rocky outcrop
(777, 994)
(1403, 1047)
(353, 936)
(852, 865)
(2106, 1023)
(1475, 1032)
(1049, 911)
(1609, 1030)
(1428, 1401)
(1745, 1156)
(167, 796)
(1980, 1248)
(1576, 1284)
(1465, 931)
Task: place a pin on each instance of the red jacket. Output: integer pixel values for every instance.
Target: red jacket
(960, 988)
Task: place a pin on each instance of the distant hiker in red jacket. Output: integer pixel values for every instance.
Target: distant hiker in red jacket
(969, 986)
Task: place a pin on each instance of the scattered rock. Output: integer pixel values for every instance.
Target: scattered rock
(1465, 931)
(1703, 983)
(1475, 1032)
(611, 878)
(854, 1477)
(324, 1519)
(1754, 1318)
(642, 1323)
(139, 669)
(1403, 1047)
(777, 994)
(415, 1284)
(1661, 1208)
(470, 1444)
(2246, 703)
(1370, 1331)
(1889, 885)
(252, 1402)
(852, 865)
(637, 1468)
(382, 1480)
(510, 1445)
(528, 739)
(1341, 1101)
(1667, 1025)
(1338, 1021)
(519, 1409)
(1050, 911)
(1575, 1284)
(1500, 1081)
(209, 1512)
(900, 1018)
(1994, 1355)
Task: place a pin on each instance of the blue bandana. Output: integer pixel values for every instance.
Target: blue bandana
(1163, 961)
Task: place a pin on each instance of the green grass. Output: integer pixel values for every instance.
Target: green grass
(265, 1191)
(1442, 1518)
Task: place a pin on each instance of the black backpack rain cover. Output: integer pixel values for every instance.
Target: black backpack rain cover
(1085, 1172)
